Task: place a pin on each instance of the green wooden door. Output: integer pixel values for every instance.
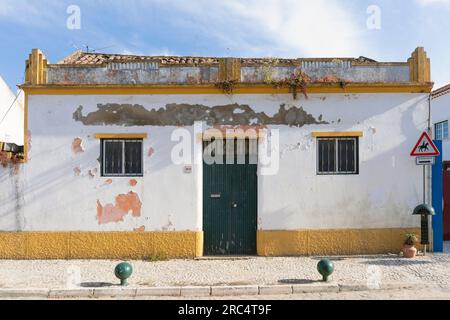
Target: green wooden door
(230, 204)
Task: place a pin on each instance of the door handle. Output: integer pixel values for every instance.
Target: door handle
(234, 205)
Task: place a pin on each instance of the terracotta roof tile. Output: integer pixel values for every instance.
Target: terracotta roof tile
(85, 58)
(441, 91)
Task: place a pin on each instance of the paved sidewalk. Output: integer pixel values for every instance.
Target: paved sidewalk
(252, 276)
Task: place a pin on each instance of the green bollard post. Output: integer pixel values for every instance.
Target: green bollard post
(325, 268)
(123, 271)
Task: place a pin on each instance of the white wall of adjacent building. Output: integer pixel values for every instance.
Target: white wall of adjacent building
(11, 116)
(62, 189)
(440, 111)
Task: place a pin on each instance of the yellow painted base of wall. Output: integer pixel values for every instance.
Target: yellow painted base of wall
(145, 245)
(100, 245)
(332, 242)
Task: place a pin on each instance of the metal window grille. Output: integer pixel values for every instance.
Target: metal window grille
(122, 157)
(337, 156)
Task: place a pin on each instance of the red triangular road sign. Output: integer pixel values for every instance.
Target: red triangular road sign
(425, 147)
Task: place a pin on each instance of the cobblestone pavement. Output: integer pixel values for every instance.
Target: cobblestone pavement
(432, 270)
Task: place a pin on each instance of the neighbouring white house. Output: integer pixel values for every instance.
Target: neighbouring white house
(440, 110)
(440, 102)
(311, 157)
(11, 116)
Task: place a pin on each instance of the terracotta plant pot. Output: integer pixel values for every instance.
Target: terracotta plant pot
(409, 251)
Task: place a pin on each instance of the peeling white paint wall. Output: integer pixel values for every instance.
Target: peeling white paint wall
(383, 195)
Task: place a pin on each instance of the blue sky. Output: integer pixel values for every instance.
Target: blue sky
(259, 28)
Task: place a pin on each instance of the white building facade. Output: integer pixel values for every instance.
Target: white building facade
(114, 158)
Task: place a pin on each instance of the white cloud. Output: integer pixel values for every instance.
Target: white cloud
(53, 17)
(433, 2)
(284, 27)
(32, 13)
(151, 52)
(289, 28)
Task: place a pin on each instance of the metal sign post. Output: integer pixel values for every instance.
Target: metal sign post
(424, 224)
(424, 184)
(425, 152)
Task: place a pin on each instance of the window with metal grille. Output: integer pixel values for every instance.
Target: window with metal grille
(441, 130)
(122, 157)
(337, 156)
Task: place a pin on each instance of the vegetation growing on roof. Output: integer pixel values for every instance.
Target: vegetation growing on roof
(333, 80)
(299, 80)
(226, 86)
(267, 66)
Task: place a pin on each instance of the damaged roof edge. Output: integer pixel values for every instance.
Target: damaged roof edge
(109, 69)
(244, 64)
(89, 58)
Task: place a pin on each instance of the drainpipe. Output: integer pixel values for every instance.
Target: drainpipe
(429, 178)
(428, 169)
(429, 113)
(430, 132)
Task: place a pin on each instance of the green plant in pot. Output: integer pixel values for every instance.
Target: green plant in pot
(409, 249)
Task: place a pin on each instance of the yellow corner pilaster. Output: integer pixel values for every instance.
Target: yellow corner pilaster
(419, 66)
(36, 68)
(230, 69)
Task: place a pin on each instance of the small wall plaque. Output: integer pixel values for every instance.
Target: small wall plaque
(187, 169)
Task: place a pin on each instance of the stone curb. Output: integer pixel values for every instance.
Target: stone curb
(24, 293)
(234, 291)
(316, 288)
(115, 293)
(384, 286)
(276, 289)
(201, 291)
(195, 291)
(159, 291)
(354, 287)
(71, 293)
